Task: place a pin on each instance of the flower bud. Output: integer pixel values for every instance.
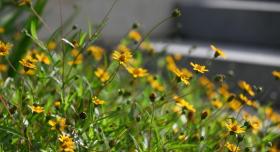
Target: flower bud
(176, 13)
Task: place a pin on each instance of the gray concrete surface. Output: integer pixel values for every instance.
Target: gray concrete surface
(146, 12)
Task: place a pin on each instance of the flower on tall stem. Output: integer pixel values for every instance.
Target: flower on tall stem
(218, 52)
(122, 54)
(199, 68)
(276, 74)
(136, 72)
(246, 87)
(102, 74)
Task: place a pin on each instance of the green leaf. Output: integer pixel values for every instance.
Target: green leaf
(270, 137)
(10, 131)
(33, 30)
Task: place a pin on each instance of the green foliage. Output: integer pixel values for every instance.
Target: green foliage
(75, 95)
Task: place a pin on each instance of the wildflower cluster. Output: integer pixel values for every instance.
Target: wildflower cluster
(77, 95)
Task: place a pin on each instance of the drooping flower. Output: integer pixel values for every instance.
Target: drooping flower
(232, 147)
(199, 68)
(102, 74)
(122, 54)
(276, 74)
(184, 74)
(253, 121)
(224, 90)
(41, 57)
(218, 52)
(245, 100)
(37, 109)
(97, 101)
(233, 127)
(135, 35)
(234, 105)
(147, 46)
(136, 72)
(155, 83)
(246, 87)
(5, 48)
(77, 57)
(217, 103)
(66, 143)
(184, 104)
(58, 124)
(96, 51)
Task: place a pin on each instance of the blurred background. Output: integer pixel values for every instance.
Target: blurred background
(247, 30)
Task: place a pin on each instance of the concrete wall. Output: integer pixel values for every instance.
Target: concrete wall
(146, 12)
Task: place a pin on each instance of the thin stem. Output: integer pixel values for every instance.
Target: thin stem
(40, 18)
(150, 32)
(96, 34)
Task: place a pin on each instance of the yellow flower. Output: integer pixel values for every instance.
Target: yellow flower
(274, 148)
(171, 65)
(246, 87)
(28, 72)
(136, 72)
(5, 48)
(66, 143)
(205, 82)
(3, 68)
(102, 74)
(37, 109)
(122, 54)
(97, 101)
(155, 84)
(184, 104)
(41, 57)
(184, 74)
(271, 115)
(218, 52)
(96, 51)
(217, 103)
(223, 90)
(28, 63)
(244, 99)
(135, 36)
(2, 30)
(77, 56)
(232, 147)
(199, 68)
(234, 127)
(52, 45)
(178, 56)
(58, 124)
(234, 105)
(182, 137)
(57, 104)
(254, 122)
(147, 46)
(276, 74)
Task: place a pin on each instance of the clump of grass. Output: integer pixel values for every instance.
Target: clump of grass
(75, 95)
